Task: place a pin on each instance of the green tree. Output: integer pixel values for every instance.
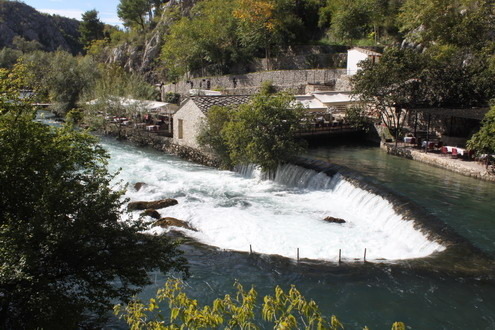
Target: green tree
(61, 77)
(459, 23)
(258, 25)
(261, 132)
(108, 97)
(284, 310)
(352, 20)
(8, 57)
(207, 39)
(25, 46)
(65, 254)
(212, 134)
(391, 86)
(133, 12)
(90, 28)
(483, 141)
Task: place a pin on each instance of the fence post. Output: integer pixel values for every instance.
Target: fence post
(297, 254)
(340, 256)
(250, 249)
(364, 254)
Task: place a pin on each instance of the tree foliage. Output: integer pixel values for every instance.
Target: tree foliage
(483, 141)
(391, 86)
(65, 254)
(90, 28)
(60, 77)
(136, 13)
(261, 132)
(459, 23)
(206, 39)
(440, 77)
(282, 310)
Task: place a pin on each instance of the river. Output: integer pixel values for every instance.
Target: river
(233, 211)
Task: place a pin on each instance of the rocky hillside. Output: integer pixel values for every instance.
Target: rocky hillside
(51, 31)
(142, 55)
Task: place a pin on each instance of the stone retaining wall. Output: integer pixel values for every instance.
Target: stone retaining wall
(163, 143)
(459, 166)
(249, 83)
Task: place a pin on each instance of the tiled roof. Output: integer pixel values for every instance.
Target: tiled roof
(204, 103)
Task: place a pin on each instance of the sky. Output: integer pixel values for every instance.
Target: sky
(107, 9)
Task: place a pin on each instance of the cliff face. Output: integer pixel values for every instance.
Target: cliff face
(52, 32)
(142, 57)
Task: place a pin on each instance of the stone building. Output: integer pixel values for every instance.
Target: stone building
(188, 119)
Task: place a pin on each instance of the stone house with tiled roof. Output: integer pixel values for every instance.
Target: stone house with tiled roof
(191, 114)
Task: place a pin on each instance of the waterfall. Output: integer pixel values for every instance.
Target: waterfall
(279, 216)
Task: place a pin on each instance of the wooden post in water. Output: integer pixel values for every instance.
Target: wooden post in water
(297, 254)
(340, 256)
(250, 249)
(364, 254)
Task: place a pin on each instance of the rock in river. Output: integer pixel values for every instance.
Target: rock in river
(139, 185)
(151, 213)
(173, 222)
(334, 220)
(134, 206)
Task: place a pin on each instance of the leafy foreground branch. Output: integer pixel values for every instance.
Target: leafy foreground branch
(66, 255)
(284, 310)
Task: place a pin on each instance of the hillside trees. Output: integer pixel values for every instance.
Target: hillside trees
(91, 28)
(207, 38)
(65, 254)
(349, 21)
(459, 23)
(137, 13)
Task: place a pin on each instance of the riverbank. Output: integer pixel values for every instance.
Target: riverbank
(163, 143)
(468, 168)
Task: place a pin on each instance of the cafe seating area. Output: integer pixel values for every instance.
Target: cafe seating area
(437, 147)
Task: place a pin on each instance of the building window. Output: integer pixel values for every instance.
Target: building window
(181, 129)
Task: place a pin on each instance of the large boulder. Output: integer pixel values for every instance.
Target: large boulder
(156, 205)
(151, 213)
(334, 220)
(173, 222)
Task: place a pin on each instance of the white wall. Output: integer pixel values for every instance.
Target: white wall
(192, 118)
(353, 58)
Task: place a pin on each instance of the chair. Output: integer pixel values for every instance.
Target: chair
(444, 151)
(431, 146)
(454, 153)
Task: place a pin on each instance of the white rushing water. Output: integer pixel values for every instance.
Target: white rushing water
(233, 211)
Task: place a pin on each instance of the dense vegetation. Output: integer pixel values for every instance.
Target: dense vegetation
(261, 132)
(66, 256)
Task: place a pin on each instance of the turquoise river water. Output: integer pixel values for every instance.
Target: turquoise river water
(224, 206)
